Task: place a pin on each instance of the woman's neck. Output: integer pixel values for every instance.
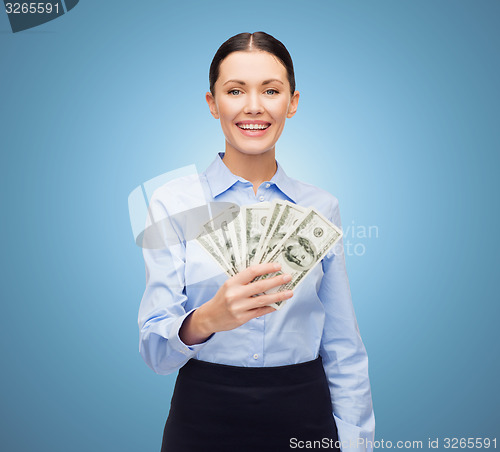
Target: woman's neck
(254, 168)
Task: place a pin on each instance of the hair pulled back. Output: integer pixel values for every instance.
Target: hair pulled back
(248, 42)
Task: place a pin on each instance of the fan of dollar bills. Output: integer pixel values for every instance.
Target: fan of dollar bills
(294, 236)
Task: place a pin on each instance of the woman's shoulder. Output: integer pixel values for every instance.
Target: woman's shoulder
(309, 195)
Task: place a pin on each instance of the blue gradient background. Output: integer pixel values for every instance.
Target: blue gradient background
(398, 117)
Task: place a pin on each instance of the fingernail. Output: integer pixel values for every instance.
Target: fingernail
(289, 294)
(287, 278)
(277, 266)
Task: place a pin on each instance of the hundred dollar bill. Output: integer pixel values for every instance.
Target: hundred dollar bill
(275, 210)
(218, 230)
(255, 219)
(289, 217)
(302, 249)
(243, 237)
(206, 242)
(235, 228)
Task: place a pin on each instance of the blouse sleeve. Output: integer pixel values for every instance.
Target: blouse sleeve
(162, 309)
(343, 353)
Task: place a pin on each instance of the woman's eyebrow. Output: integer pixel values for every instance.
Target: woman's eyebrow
(271, 80)
(265, 82)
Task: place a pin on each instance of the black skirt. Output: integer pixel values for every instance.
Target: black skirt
(221, 408)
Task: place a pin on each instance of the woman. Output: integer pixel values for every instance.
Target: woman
(252, 378)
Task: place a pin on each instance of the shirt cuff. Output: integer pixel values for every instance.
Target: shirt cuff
(352, 437)
(176, 342)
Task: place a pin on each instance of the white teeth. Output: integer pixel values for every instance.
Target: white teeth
(253, 126)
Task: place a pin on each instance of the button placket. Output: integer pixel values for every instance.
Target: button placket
(256, 352)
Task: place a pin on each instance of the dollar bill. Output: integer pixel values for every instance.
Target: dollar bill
(275, 210)
(236, 233)
(255, 219)
(206, 242)
(288, 219)
(218, 231)
(302, 249)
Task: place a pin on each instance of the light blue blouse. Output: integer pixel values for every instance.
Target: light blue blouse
(318, 319)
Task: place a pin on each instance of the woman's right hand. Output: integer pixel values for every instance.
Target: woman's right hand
(235, 303)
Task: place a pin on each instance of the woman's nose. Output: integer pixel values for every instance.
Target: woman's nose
(253, 104)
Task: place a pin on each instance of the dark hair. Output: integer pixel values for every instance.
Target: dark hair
(252, 41)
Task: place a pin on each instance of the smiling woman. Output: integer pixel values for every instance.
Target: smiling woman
(252, 378)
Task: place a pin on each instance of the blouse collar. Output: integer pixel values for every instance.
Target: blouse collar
(220, 178)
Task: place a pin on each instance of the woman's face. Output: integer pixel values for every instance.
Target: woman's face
(252, 100)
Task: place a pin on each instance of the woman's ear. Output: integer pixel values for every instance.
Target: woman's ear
(212, 105)
(292, 107)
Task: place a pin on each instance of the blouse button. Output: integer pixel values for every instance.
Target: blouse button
(268, 185)
(261, 198)
(255, 356)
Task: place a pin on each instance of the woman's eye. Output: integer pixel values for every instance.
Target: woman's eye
(271, 91)
(233, 91)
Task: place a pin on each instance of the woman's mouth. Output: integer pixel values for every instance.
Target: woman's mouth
(253, 129)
